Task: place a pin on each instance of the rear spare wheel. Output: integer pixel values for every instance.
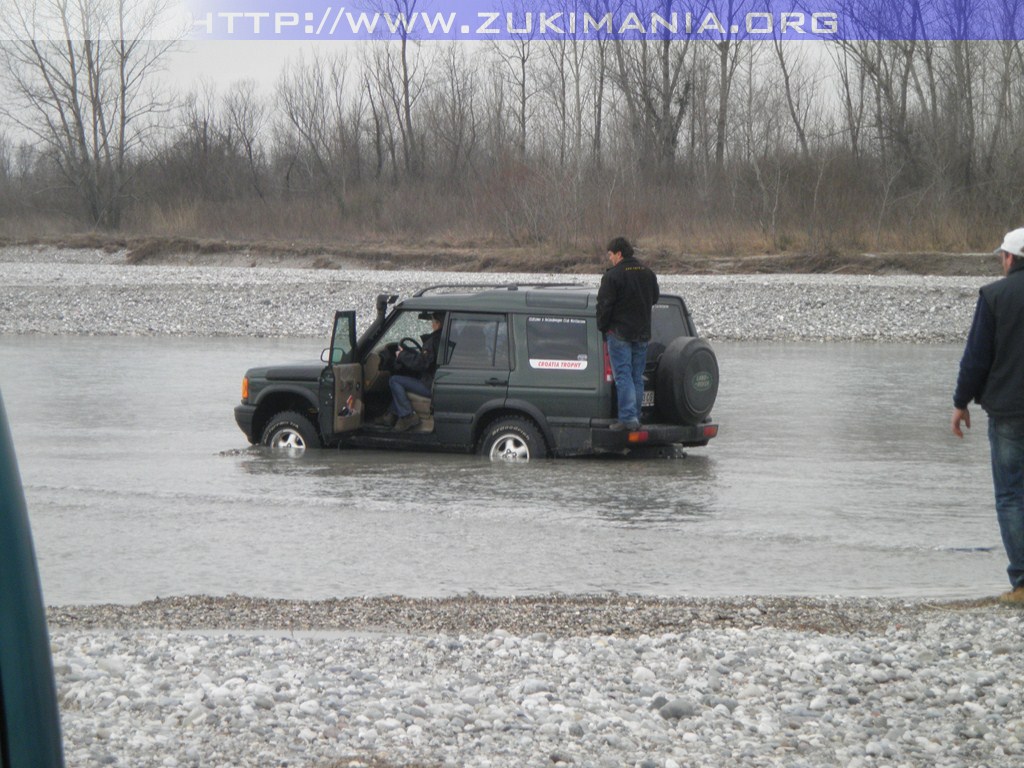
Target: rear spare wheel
(686, 382)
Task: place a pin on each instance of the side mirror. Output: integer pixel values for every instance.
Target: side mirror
(326, 357)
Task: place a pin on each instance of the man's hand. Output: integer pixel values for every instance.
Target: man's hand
(960, 415)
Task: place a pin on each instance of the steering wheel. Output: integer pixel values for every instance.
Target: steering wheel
(410, 343)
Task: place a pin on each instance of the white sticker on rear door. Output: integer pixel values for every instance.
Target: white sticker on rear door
(559, 365)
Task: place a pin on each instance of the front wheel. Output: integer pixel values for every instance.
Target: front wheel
(513, 440)
(290, 431)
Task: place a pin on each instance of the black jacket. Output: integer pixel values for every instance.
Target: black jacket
(628, 291)
(992, 367)
(424, 362)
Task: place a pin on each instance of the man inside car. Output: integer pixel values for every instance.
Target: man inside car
(414, 372)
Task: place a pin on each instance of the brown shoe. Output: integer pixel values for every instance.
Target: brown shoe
(407, 422)
(1013, 596)
(387, 420)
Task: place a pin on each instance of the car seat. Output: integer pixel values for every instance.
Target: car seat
(422, 407)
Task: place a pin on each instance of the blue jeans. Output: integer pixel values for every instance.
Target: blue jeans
(628, 359)
(399, 400)
(1006, 437)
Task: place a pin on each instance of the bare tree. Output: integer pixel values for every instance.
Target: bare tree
(655, 82)
(1008, 63)
(514, 57)
(562, 73)
(599, 77)
(197, 160)
(312, 103)
(6, 158)
(453, 113)
(852, 82)
(395, 79)
(797, 87)
(80, 77)
(393, 82)
(245, 118)
(763, 148)
(729, 50)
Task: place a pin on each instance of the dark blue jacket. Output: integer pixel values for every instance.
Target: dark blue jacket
(992, 366)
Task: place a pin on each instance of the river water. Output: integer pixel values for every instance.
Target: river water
(834, 474)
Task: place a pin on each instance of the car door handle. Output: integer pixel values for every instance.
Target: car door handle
(494, 381)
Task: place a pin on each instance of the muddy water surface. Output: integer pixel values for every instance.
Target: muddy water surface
(833, 474)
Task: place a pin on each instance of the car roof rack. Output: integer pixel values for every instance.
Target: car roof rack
(486, 286)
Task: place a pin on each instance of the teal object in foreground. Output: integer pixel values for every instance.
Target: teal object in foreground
(29, 718)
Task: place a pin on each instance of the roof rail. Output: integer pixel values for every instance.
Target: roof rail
(485, 286)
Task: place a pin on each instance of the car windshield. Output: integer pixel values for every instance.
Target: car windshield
(406, 325)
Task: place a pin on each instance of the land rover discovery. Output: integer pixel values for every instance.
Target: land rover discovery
(522, 373)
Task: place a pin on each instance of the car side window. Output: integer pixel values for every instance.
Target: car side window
(478, 341)
(557, 343)
(667, 324)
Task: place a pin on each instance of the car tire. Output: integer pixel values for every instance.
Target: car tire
(511, 440)
(686, 382)
(292, 431)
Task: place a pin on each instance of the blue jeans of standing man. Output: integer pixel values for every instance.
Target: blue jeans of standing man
(1006, 438)
(628, 359)
(399, 399)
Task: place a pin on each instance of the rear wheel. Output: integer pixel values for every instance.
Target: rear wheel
(513, 439)
(290, 431)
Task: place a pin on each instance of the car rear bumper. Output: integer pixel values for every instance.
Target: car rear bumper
(243, 418)
(653, 434)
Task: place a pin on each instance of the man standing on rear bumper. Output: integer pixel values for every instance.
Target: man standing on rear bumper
(992, 373)
(628, 291)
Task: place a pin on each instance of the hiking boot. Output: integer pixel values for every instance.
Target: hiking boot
(387, 420)
(1013, 596)
(618, 426)
(407, 422)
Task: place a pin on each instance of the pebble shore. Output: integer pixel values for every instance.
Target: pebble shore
(582, 681)
(47, 291)
(592, 681)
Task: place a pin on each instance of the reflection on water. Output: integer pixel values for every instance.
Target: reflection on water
(833, 474)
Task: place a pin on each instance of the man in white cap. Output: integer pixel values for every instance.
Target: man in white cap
(992, 373)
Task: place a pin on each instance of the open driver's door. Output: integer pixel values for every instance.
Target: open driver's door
(341, 382)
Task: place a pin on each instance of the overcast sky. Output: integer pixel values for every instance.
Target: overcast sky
(224, 62)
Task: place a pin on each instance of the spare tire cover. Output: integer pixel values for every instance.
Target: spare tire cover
(686, 383)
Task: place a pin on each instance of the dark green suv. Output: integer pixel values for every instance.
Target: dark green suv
(522, 373)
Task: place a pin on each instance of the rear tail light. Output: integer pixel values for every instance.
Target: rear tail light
(245, 388)
(640, 436)
(711, 430)
(607, 365)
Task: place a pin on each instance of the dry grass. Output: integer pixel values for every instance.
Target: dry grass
(321, 235)
(384, 254)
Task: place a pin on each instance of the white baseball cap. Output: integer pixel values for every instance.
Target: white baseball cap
(1013, 242)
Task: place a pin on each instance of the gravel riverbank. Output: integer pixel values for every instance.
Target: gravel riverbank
(48, 291)
(569, 681)
(579, 681)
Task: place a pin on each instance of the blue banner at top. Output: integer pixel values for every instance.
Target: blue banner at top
(600, 20)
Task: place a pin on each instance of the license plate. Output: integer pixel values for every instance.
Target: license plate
(648, 401)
